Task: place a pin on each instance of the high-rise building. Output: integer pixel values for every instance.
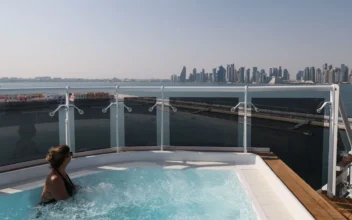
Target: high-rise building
(194, 73)
(286, 75)
(319, 76)
(183, 75)
(306, 74)
(241, 78)
(271, 72)
(344, 73)
(228, 72)
(202, 76)
(337, 77)
(311, 74)
(210, 77)
(197, 77)
(215, 77)
(221, 74)
(174, 78)
(275, 72)
(190, 77)
(262, 76)
(280, 72)
(206, 77)
(254, 74)
(300, 75)
(233, 75)
(330, 76)
(247, 78)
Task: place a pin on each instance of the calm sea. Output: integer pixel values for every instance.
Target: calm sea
(346, 89)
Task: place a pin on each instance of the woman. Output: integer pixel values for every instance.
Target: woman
(58, 185)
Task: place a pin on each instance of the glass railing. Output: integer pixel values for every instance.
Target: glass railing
(282, 119)
(140, 121)
(293, 129)
(92, 129)
(203, 122)
(27, 129)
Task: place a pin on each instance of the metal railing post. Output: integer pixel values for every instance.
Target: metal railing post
(334, 111)
(117, 119)
(162, 120)
(245, 119)
(67, 121)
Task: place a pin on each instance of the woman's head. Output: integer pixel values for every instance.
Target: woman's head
(59, 156)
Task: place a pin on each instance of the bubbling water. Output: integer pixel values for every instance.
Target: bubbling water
(154, 194)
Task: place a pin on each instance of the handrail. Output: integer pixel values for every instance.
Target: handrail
(31, 90)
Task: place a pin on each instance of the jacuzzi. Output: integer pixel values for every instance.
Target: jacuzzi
(156, 185)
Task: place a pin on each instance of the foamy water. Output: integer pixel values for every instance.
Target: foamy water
(144, 194)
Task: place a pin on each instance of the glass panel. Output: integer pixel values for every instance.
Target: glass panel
(26, 129)
(293, 130)
(140, 123)
(203, 122)
(92, 129)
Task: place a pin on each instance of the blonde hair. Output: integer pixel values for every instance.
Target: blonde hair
(57, 155)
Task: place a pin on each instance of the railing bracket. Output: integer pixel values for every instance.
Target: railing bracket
(323, 106)
(80, 111)
(233, 109)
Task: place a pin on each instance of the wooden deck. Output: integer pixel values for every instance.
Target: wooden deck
(343, 205)
(315, 203)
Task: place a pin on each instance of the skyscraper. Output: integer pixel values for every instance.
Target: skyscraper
(280, 72)
(337, 77)
(306, 74)
(312, 74)
(300, 75)
(262, 76)
(319, 76)
(254, 74)
(228, 73)
(271, 72)
(344, 73)
(174, 78)
(215, 76)
(248, 75)
(194, 74)
(183, 75)
(202, 76)
(241, 78)
(233, 75)
(286, 75)
(275, 72)
(330, 76)
(221, 74)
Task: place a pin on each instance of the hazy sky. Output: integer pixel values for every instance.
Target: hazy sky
(155, 38)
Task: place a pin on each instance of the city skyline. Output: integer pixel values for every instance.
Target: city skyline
(153, 39)
(327, 74)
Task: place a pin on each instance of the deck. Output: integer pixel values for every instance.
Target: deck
(315, 203)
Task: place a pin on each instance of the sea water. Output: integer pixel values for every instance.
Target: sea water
(141, 193)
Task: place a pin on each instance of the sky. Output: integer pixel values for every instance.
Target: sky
(156, 38)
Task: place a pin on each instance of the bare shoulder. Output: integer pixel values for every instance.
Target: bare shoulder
(55, 179)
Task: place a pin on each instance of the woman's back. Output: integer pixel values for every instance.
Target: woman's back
(58, 185)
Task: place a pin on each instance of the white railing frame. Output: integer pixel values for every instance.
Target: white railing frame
(334, 108)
